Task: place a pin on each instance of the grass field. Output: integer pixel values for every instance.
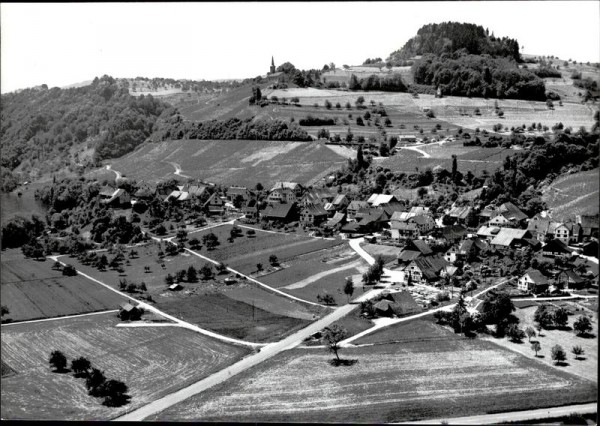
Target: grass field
(223, 315)
(573, 194)
(230, 162)
(33, 290)
(586, 366)
(245, 252)
(388, 253)
(242, 310)
(152, 362)
(391, 382)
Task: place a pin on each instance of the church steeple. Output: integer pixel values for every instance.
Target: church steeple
(272, 69)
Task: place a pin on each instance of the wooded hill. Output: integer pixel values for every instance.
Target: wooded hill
(44, 130)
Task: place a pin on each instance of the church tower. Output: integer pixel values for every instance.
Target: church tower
(272, 69)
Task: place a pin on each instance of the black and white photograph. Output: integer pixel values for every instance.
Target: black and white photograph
(300, 212)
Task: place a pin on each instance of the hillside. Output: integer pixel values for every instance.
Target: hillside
(231, 162)
(573, 194)
(48, 130)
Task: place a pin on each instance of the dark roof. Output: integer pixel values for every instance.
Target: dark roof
(336, 219)
(128, 307)
(430, 266)
(454, 232)
(356, 205)
(421, 219)
(278, 211)
(405, 304)
(510, 210)
(556, 246)
(393, 207)
(314, 209)
(419, 245)
(573, 277)
(408, 255)
(107, 191)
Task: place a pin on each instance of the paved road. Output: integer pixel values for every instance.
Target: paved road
(414, 148)
(514, 416)
(265, 353)
(303, 283)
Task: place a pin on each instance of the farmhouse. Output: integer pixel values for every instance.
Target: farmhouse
(280, 212)
(466, 250)
(250, 209)
(507, 215)
(412, 250)
(312, 214)
(589, 225)
(543, 228)
(295, 187)
(407, 138)
(510, 237)
(337, 221)
(459, 214)
(340, 202)
(377, 200)
(533, 281)
(424, 270)
(282, 195)
(556, 248)
(145, 191)
(115, 197)
(451, 234)
(316, 196)
(354, 207)
(238, 191)
(406, 225)
(214, 205)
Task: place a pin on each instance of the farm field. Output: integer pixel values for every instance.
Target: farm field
(332, 284)
(231, 162)
(251, 313)
(448, 108)
(152, 362)
(245, 252)
(33, 290)
(387, 383)
(586, 366)
(408, 161)
(388, 253)
(223, 315)
(573, 194)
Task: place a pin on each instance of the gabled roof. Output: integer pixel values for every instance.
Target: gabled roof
(116, 194)
(339, 199)
(314, 209)
(536, 276)
(378, 199)
(556, 245)
(408, 255)
(317, 195)
(588, 221)
(404, 226)
(289, 185)
(336, 219)
(460, 212)
(507, 235)
(574, 277)
(420, 246)
(488, 231)
(453, 232)
(393, 207)
(430, 266)
(401, 216)
(421, 219)
(278, 211)
(356, 205)
(128, 307)
(465, 247)
(196, 190)
(416, 210)
(512, 211)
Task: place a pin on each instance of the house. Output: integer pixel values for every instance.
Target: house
(400, 304)
(451, 234)
(543, 228)
(412, 250)
(175, 287)
(354, 207)
(464, 251)
(337, 221)
(312, 214)
(316, 196)
(591, 249)
(507, 215)
(296, 188)
(510, 237)
(407, 138)
(400, 230)
(251, 210)
(589, 225)
(404, 225)
(377, 200)
(424, 270)
(214, 205)
(340, 202)
(394, 207)
(129, 312)
(573, 280)
(117, 197)
(280, 212)
(145, 191)
(459, 214)
(372, 220)
(282, 195)
(556, 248)
(533, 281)
(233, 192)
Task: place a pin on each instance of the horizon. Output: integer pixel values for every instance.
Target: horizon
(66, 44)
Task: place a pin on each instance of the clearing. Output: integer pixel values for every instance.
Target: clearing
(31, 289)
(151, 361)
(387, 383)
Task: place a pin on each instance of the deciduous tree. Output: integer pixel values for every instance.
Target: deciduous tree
(558, 354)
(58, 360)
(332, 336)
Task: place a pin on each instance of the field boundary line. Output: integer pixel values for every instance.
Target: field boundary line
(284, 233)
(157, 311)
(256, 281)
(59, 318)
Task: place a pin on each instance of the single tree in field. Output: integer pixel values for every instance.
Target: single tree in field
(530, 333)
(539, 329)
(210, 241)
(558, 354)
(582, 325)
(332, 336)
(206, 271)
(192, 274)
(115, 393)
(94, 382)
(80, 366)
(514, 333)
(259, 267)
(360, 101)
(349, 288)
(577, 351)
(273, 260)
(58, 360)
(535, 346)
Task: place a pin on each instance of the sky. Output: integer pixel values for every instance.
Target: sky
(65, 43)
